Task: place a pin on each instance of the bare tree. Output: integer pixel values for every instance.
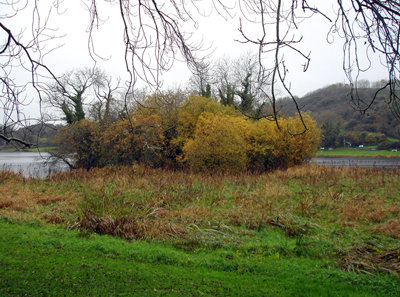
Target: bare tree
(152, 33)
(21, 55)
(201, 80)
(364, 25)
(236, 81)
(107, 107)
(155, 35)
(70, 91)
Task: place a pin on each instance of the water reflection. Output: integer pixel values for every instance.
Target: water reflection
(35, 164)
(32, 164)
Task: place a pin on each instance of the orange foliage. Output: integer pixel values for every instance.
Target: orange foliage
(139, 139)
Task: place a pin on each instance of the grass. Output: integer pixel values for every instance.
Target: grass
(35, 149)
(44, 260)
(393, 139)
(305, 231)
(359, 152)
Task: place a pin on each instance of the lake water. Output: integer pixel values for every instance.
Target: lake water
(35, 164)
(29, 163)
(368, 162)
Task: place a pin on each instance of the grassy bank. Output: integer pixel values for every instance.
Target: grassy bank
(306, 231)
(42, 261)
(358, 152)
(36, 149)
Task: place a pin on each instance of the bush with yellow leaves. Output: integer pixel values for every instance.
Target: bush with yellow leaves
(218, 144)
(198, 132)
(232, 143)
(190, 111)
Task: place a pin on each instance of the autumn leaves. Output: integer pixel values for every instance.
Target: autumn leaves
(196, 133)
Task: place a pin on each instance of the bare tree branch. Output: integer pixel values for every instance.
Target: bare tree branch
(155, 35)
(16, 140)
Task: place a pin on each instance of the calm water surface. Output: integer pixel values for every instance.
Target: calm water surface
(29, 163)
(368, 162)
(35, 164)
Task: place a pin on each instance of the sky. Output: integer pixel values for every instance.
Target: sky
(218, 36)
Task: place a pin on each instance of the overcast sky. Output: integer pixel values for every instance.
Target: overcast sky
(218, 34)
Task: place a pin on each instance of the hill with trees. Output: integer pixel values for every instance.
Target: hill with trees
(343, 121)
(36, 135)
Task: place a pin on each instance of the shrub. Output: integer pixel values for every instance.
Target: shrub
(79, 141)
(218, 144)
(190, 111)
(270, 147)
(292, 149)
(166, 106)
(202, 133)
(137, 140)
(231, 143)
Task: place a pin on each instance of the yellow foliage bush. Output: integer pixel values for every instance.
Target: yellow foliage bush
(190, 111)
(218, 144)
(231, 143)
(199, 132)
(291, 149)
(261, 139)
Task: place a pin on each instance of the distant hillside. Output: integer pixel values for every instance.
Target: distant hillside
(40, 135)
(332, 104)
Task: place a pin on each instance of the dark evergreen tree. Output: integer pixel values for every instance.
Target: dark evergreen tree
(331, 134)
(207, 92)
(246, 97)
(227, 99)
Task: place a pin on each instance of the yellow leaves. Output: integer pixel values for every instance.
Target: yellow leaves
(190, 111)
(231, 143)
(293, 149)
(199, 132)
(217, 144)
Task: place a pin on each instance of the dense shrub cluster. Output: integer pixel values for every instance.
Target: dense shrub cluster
(333, 136)
(197, 133)
(389, 145)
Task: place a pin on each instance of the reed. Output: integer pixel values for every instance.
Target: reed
(308, 203)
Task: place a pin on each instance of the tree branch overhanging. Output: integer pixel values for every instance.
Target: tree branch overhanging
(13, 139)
(155, 36)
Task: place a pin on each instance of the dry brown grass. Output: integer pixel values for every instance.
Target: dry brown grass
(131, 228)
(390, 228)
(149, 203)
(368, 259)
(31, 199)
(332, 204)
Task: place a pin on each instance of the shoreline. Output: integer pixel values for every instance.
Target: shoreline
(357, 156)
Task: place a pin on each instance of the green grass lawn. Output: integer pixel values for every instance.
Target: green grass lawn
(40, 149)
(358, 152)
(393, 139)
(136, 231)
(49, 261)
